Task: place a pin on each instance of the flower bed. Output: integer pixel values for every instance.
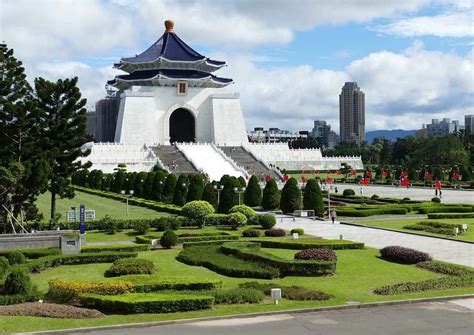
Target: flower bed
(309, 244)
(404, 255)
(320, 254)
(435, 227)
(49, 311)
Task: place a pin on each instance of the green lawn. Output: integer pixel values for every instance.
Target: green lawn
(398, 224)
(102, 206)
(358, 273)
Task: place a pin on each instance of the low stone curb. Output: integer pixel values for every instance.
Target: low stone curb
(403, 232)
(242, 316)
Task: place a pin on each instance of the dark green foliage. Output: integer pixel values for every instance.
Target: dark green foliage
(142, 226)
(18, 282)
(253, 193)
(169, 239)
(299, 231)
(94, 179)
(238, 296)
(168, 222)
(308, 244)
(180, 190)
(446, 268)
(434, 216)
(313, 197)
(435, 227)
(242, 182)
(32, 253)
(209, 194)
(148, 186)
(158, 186)
(118, 182)
(271, 196)
(445, 209)
(4, 266)
(288, 292)
(442, 283)
(168, 189)
(130, 266)
(436, 200)
(275, 232)
(16, 257)
(228, 198)
(115, 248)
(348, 192)
(196, 187)
(13, 299)
(196, 212)
(290, 197)
(216, 219)
(371, 211)
(267, 221)
(251, 233)
(374, 197)
(139, 184)
(132, 303)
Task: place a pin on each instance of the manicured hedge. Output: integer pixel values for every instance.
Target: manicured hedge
(204, 243)
(154, 283)
(435, 227)
(371, 211)
(133, 303)
(13, 299)
(210, 257)
(68, 290)
(446, 268)
(445, 209)
(251, 233)
(299, 231)
(249, 251)
(43, 263)
(33, 253)
(238, 296)
(130, 266)
(275, 232)
(443, 283)
(115, 248)
(404, 255)
(322, 254)
(309, 244)
(200, 238)
(288, 292)
(434, 216)
(158, 206)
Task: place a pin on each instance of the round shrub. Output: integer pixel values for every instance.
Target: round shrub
(196, 212)
(318, 254)
(251, 233)
(235, 220)
(17, 282)
(130, 266)
(16, 257)
(404, 255)
(267, 221)
(275, 232)
(374, 197)
(169, 239)
(245, 210)
(4, 266)
(300, 231)
(141, 226)
(348, 192)
(436, 200)
(406, 199)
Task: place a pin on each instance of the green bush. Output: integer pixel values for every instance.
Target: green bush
(288, 292)
(196, 187)
(238, 296)
(313, 197)
(181, 190)
(169, 239)
(228, 198)
(309, 244)
(374, 197)
(132, 303)
(299, 231)
(245, 210)
(197, 211)
(16, 257)
(142, 227)
(445, 209)
(115, 248)
(154, 283)
(69, 290)
(348, 192)
(130, 266)
(436, 200)
(290, 197)
(271, 196)
(362, 212)
(442, 283)
(267, 221)
(435, 216)
(235, 220)
(4, 266)
(168, 188)
(446, 268)
(251, 233)
(216, 219)
(33, 253)
(253, 193)
(18, 282)
(14, 299)
(435, 227)
(168, 222)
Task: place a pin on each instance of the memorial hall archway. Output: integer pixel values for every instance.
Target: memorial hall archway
(182, 126)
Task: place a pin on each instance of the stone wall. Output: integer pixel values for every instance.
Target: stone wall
(50, 239)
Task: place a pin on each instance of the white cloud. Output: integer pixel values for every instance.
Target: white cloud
(456, 24)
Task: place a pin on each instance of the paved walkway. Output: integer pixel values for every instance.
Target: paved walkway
(443, 250)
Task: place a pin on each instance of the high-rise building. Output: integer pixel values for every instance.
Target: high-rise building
(442, 128)
(352, 114)
(321, 130)
(469, 124)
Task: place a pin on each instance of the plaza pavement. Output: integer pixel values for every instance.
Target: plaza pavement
(443, 250)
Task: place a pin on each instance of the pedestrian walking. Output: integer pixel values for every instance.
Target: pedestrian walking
(361, 190)
(333, 215)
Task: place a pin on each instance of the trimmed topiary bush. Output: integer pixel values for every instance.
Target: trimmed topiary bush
(181, 190)
(238, 296)
(169, 239)
(290, 197)
(196, 187)
(275, 232)
(348, 192)
(235, 220)
(251, 233)
(404, 255)
(18, 282)
(168, 189)
(4, 266)
(249, 213)
(300, 231)
(197, 211)
(436, 200)
(313, 197)
(228, 198)
(319, 254)
(267, 221)
(253, 193)
(130, 266)
(271, 196)
(141, 227)
(374, 197)
(16, 257)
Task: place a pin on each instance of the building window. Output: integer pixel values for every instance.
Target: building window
(182, 88)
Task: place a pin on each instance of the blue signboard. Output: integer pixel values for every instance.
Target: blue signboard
(82, 219)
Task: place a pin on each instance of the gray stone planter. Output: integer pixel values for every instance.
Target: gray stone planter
(70, 244)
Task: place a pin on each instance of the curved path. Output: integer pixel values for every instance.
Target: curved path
(443, 250)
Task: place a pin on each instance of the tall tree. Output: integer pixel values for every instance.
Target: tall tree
(64, 116)
(180, 190)
(290, 197)
(253, 193)
(168, 188)
(271, 196)
(196, 187)
(313, 197)
(158, 185)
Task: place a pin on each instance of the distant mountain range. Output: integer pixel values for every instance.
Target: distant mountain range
(388, 134)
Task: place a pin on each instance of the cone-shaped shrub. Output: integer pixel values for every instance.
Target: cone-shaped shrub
(228, 197)
(168, 189)
(18, 282)
(158, 185)
(181, 190)
(313, 197)
(196, 187)
(209, 194)
(290, 197)
(253, 193)
(271, 196)
(169, 239)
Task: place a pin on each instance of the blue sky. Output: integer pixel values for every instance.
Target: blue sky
(289, 60)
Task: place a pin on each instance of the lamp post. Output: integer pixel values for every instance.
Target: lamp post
(130, 194)
(239, 191)
(218, 188)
